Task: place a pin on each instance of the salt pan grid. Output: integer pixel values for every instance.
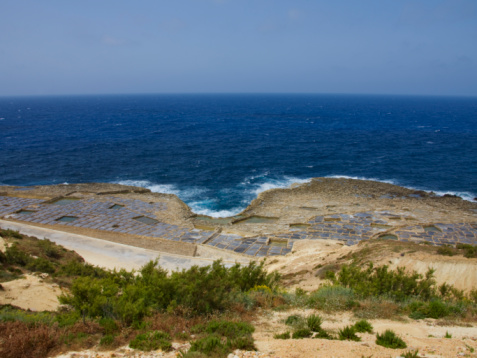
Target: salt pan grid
(119, 215)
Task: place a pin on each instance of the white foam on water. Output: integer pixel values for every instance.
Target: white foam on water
(184, 194)
(282, 183)
(215, 213)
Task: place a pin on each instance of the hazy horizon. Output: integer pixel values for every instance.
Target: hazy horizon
(238, 47)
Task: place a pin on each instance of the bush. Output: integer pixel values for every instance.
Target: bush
(302, 333)
(285, 335)
(434, 309)
(323, 334)
(379, 281)
(410, 354)
(295, 321)
(107, 340)
(230, 329)
(109, 325)
(152, 341)
(11, 233)
(314, 322)
(50, 249)
(14, 256)
(41, 265)
(446, 251)
(348, 334)
(332, 298)
(363, 326)
(389, 340)
(208, 345)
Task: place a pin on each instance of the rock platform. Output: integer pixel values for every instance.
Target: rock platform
(346, 210)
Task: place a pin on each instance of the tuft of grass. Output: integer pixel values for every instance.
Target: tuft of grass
(294, 320)
(322, 334)
(302, 333)
(410, 354)
(363, 326)
(448, 335)
(314, 322)
(284, 335)
(389, 339)
(348, 333)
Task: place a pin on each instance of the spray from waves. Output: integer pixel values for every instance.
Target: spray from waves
(223, 202)
(465, 195)
(185, 194)
(258, 184)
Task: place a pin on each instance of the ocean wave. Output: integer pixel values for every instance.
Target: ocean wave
(230, 201)
(280, 183)
(184, 194)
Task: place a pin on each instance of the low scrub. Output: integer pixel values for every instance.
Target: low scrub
(363, 326)
(152, 341)
(348, 333)
(389, 339)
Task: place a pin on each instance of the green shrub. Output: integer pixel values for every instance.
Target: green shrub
(67, 319)
(10, 233)
(107, 340)
(50, 248)
(295, 321)
(230, 329)
(363, 326)
(332, 298)
(380, 281)
(285, 335)
(322, 334)
(448, 335)
(152, 341)
(314, 322)
(410, 354)
(245, 343)
(41, 265)
(302, 333)
(348, 334)
(208, 345)
(15, 256)
(389, 340)
(10, 314)
(470, 251)
(109, 325)
(446, 251)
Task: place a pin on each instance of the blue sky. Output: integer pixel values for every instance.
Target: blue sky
(204, 46)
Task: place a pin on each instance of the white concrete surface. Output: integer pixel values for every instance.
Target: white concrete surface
(109, 254)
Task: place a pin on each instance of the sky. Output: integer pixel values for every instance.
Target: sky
(55, 47)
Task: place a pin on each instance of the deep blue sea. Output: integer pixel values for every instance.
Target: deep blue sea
(217, 152)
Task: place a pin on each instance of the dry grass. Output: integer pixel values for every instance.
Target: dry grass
(18, 340)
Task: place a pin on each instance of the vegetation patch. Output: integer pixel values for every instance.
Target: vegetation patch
(152, 341)
(389, 339)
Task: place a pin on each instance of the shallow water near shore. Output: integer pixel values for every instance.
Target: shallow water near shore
(217, 152)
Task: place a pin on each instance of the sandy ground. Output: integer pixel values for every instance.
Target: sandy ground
(308, 256)
(423, 335)
(27, 291)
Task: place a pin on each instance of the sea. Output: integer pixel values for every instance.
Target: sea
(217, 152)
